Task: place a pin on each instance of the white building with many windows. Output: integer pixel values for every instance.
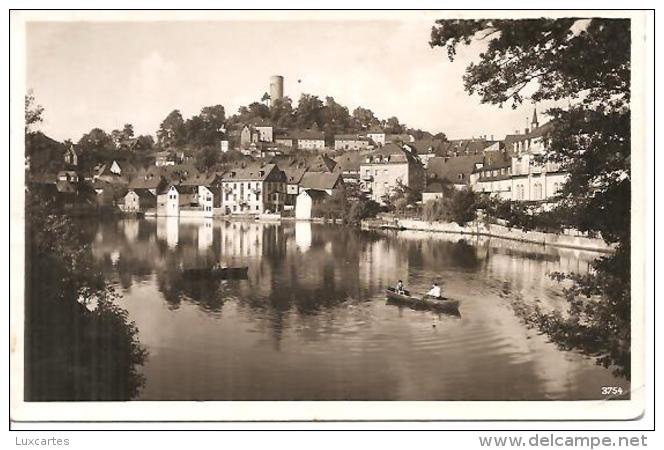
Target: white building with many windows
(253, 190)
(520, 172)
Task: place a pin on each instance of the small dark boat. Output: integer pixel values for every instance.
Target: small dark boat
(441, 304)
(216, 272)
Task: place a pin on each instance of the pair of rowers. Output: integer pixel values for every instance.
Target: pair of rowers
(435, 290)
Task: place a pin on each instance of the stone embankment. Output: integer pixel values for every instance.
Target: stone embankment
(568, 239)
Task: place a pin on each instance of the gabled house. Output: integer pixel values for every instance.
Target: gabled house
(307, 201)
(321, 163)
(349, 164)
(163, 159)
(495, 175)
(398, 138)
(294, 171)
(384, 170)
(253, 190)
(285, 141)
(139, 200)
(107, 194)
(433, 191)
(149, 180)
(309, 139)
(454, 170)
(377, 136)
(351, 142)
(168, 201)
(264, 133)
(322, 181)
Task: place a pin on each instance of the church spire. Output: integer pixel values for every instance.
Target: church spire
(534, 124)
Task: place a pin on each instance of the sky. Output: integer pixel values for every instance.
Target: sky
(106, 74)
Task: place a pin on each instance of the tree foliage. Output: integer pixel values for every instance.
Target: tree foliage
(559, 58)
(80, 344)
(364, 119)
(171, 131)
(33, 112)
(456, 205)
(587, 61)
(281, 113)
(309, 112)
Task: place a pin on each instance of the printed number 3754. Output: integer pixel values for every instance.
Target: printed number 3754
(612, 390)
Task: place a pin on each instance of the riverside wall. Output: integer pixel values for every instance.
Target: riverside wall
(569, 239)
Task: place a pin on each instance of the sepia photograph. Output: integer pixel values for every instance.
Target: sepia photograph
(433, 210)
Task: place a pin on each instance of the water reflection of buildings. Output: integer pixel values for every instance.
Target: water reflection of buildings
(303, 235)
(382, 263)
(205, 234)
(241, 240)
(168, 230)
(130, 230)
(303, 281)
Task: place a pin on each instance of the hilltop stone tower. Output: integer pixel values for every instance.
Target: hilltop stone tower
(276, 87)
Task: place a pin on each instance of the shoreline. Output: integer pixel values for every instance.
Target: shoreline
(573, 240)
(570, 241)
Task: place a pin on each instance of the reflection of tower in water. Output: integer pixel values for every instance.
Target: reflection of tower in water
(205, 235)
(303, 235)
(168, 229)
(130, 230)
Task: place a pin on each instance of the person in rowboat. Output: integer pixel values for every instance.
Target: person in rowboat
(435, 291)
(399, 289)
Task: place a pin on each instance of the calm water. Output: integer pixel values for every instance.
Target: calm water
(311, 321)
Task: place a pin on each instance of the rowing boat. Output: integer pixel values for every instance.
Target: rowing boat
(442, 304)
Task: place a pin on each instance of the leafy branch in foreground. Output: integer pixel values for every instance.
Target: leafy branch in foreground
(80, 345)
(586, 60)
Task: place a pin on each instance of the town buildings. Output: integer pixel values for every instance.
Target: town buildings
(309, 140)
(377, 136)
(329, 182)
(269, 179)
(307, 202)
(139, 200)
(254, 189)
(388, 168)
(351, 142)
